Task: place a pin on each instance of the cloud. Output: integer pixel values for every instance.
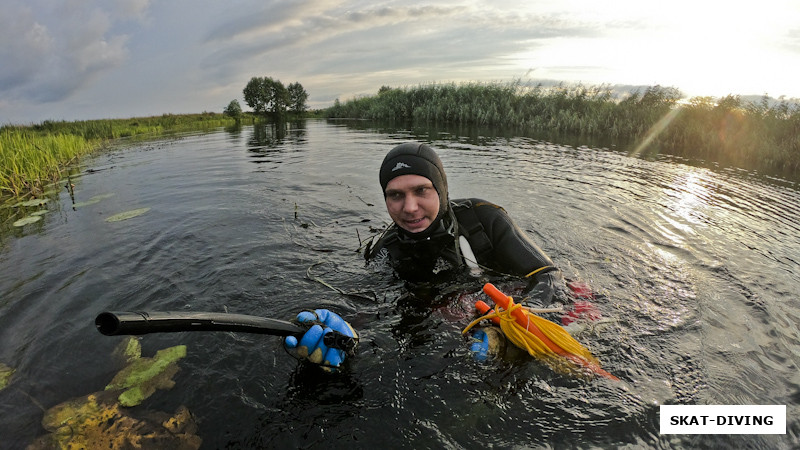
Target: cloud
(55, 51)
(342, 50)
(324, 37)
(30, 44)
(306, 24)
(132, 9)
(270, 17)
(792, 40)
(78, 58)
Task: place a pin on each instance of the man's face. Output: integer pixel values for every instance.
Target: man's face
(412, 202)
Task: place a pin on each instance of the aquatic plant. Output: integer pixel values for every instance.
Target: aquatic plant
(27, 220)
(128, 350)
(94, 421)
(34, 202)
(734, 131)
(140, 379)
(127, 215)
(93, 200)
(29, 160)
(105, 419)
(566, 108)
(33, 156)
(5, 375)
(652, 120)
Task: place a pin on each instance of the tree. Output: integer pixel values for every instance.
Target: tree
(266, 95)
(297, 98)
(234, 110)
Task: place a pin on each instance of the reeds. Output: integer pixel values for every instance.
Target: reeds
(33, 156)
(28, 160)
(732, 131)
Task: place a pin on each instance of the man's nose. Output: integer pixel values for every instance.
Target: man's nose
(410, 204)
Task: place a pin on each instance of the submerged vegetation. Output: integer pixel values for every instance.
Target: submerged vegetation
(730, 130)
(110, 418)
(33, 156)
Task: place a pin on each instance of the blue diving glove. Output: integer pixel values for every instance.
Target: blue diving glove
(487, 342)
(312, 346)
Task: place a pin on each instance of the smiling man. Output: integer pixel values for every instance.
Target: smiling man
(432, 235)
(412, 202)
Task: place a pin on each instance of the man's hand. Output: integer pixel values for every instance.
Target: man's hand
(312, 346)
(487, 342)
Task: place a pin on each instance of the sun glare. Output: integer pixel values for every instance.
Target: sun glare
(690, 197)
(659, 126)
(701, 47)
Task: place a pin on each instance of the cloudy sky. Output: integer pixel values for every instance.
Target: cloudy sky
(89, 59)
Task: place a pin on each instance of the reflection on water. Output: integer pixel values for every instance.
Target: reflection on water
(276, 136)
(696, 267)
(688, 197)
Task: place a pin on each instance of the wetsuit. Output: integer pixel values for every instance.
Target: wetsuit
(499, 246)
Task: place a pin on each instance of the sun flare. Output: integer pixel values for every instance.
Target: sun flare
(702, 48)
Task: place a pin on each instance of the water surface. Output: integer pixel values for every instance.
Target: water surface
(697, 267)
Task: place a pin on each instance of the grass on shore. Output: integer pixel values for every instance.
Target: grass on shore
(730, 130)
(760, 134)
(35, 155)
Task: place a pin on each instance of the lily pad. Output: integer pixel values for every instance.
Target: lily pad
(143, 376)
(50, 192)
(5, 375)
(93, 200)
(27, 220)
(35, 202)
(127, 215)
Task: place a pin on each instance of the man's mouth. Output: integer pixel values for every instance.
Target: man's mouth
(415, 223)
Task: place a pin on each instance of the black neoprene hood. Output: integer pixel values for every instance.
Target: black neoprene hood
(416, 159)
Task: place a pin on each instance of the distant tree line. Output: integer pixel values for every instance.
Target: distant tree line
(269, 97)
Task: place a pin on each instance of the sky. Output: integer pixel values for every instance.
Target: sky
(95, 59)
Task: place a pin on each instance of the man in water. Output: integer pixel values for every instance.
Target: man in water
(432, 237)
(432, 234)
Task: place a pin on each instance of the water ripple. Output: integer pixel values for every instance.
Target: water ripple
(697, 268)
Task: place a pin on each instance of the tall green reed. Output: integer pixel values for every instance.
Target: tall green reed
(728, 130)
(34, 155)
(29, 161)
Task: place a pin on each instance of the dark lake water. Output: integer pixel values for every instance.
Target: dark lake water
(697, 268)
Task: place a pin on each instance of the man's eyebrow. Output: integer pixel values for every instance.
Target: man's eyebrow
(410, 188)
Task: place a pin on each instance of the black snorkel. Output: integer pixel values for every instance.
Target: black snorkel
(138, 323)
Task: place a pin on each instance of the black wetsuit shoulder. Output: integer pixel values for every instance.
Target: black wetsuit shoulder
(512, 251)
